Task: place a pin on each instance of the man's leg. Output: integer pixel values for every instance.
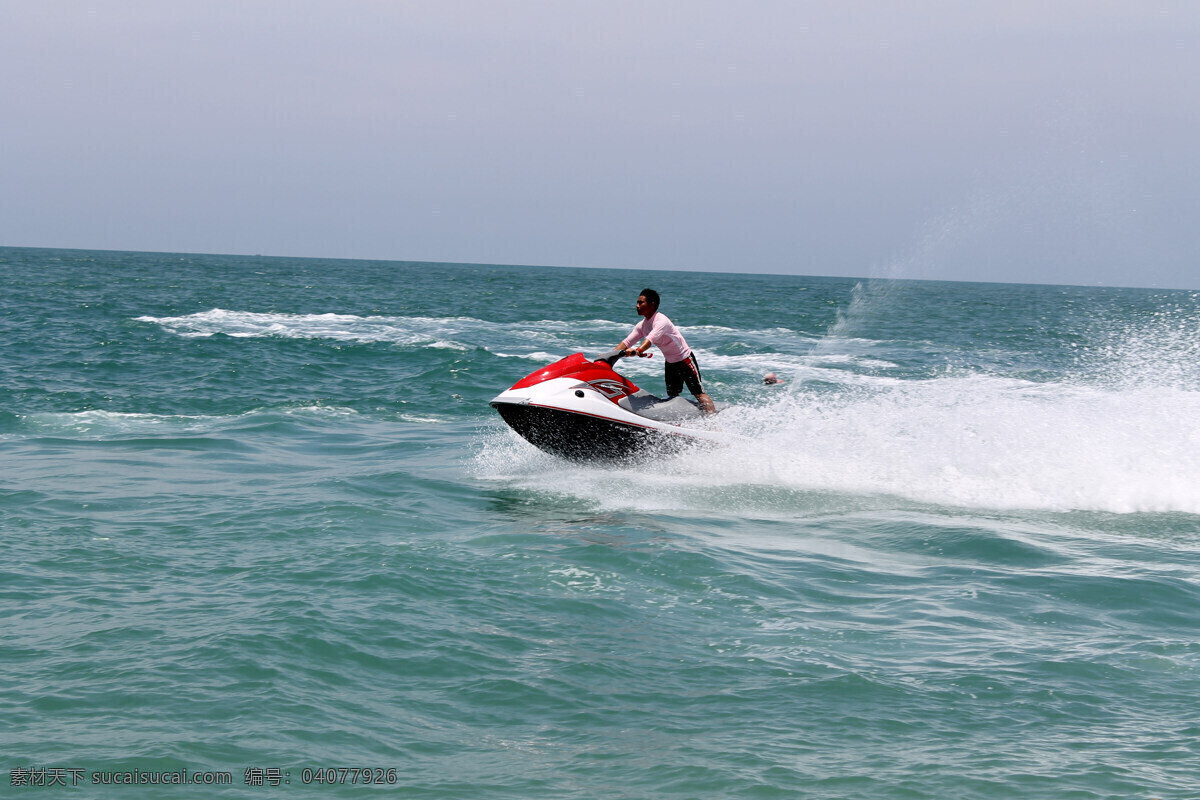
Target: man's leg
(696, 386)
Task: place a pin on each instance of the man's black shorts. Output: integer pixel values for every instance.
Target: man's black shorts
(681, 372)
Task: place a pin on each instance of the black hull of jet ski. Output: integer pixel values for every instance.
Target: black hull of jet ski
(581, 437)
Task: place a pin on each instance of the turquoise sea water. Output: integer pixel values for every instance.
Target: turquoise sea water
(256, 515)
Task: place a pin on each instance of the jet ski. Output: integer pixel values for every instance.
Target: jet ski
(584, 410)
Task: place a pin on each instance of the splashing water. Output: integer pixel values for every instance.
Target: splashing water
(1115, 433)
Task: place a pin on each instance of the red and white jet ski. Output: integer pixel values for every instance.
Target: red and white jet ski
(585, 411)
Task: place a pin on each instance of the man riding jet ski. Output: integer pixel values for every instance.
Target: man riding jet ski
(658, 330)
(586, 411)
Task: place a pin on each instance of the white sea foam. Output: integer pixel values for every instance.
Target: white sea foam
(539, 356)
(311, 411)
(423, 419)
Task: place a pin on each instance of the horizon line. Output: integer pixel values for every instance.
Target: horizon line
(860, 278)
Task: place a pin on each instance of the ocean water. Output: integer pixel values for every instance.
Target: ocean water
(259, 524)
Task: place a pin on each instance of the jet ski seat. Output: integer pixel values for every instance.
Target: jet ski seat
(649, 406)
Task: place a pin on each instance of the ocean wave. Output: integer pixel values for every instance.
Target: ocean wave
(453, 332)
(354, 328)
(96, 423)
(795, 365)
(100, 424)
(335, 327)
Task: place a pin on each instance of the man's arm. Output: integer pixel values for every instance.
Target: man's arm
(640, 350)
(633, 336)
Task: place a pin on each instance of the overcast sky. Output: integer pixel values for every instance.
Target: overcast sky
(1006, 141)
